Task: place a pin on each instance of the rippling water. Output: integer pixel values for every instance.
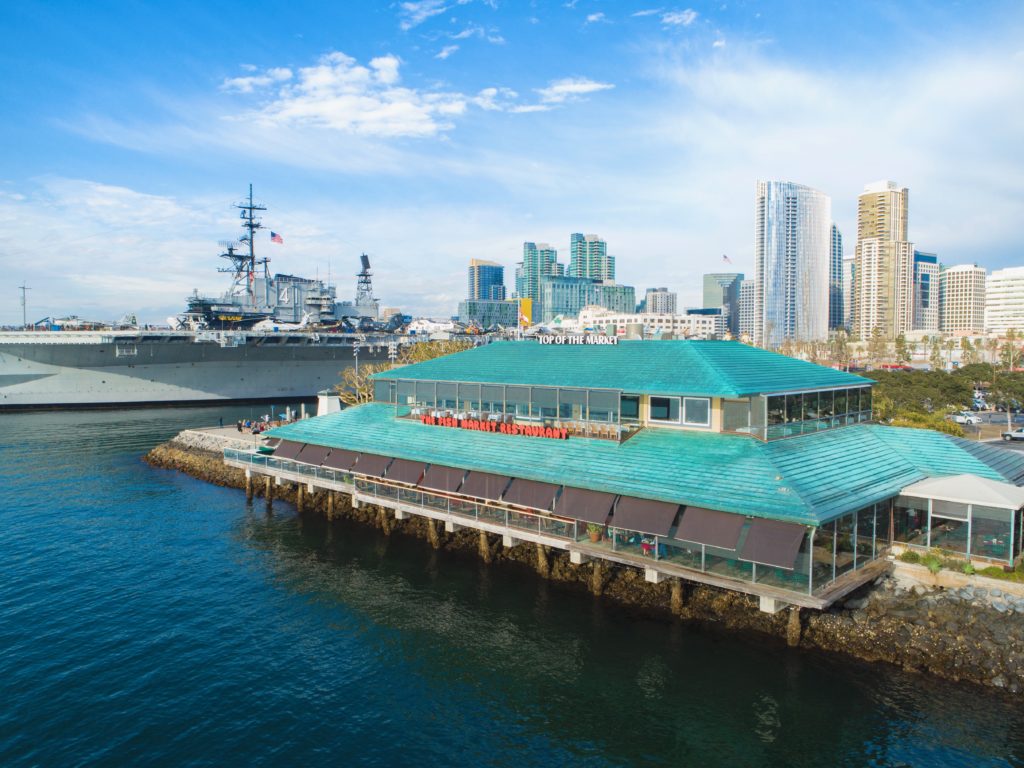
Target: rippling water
(148, 618)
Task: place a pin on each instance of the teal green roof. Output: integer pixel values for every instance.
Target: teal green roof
(808, 479)
(710, 368)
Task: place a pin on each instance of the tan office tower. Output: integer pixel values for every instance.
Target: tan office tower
(962, 299)
(883, 291)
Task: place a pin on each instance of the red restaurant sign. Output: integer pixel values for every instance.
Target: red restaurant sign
(478, 425)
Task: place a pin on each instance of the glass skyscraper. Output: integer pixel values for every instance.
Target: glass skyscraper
(722, 289)
(792, 260)
(836, 305)
(588, 257)
(486, 281)
(539, 260)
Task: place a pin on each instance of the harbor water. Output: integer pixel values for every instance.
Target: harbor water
(147, 618)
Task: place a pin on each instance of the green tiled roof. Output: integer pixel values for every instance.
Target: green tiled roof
(711, 368)
(807, 479)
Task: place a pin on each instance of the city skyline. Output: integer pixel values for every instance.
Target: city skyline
(428, 134)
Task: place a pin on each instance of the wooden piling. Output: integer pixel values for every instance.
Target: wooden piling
(330, 505)
(677, 601)
(300, 496)
(432, 534)
(248, 485)
(793, 628)
(543, 561)
(485, 547)
(268, 488)
(597, 578)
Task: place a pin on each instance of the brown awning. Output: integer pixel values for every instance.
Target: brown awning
(403, 471)
(645, 515)
(484, 485)
(708, 526)
(288, 449)
(530, 493)
(771, 542)
(271, 442)
(313, 454)
(592, 506)
(440, 478)
(339, 458)
(371, 464)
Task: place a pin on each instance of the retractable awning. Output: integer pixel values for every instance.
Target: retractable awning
(483, 485)
(710, 527)
(339, 458)
(288, 449)
(313, 454)
(583, 504)
(404, 471)
(440, 478)
(530, 493)
(371, 465)
(645, 515)
(772, 542)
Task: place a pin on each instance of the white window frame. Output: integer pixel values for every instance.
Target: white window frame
(650, 409)
(682, 413)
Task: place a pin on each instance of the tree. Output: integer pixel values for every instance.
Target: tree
(966, 352)
(878, 347)
(902, 353)
(935, 357)
(428, 350)
(839, 348)
(356, 388)
(1007, 384)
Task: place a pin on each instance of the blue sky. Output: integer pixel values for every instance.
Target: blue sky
(428, 133)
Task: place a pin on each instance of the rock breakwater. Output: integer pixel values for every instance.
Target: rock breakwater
(966, 634)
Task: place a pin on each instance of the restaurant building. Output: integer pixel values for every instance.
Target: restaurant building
(708, 461)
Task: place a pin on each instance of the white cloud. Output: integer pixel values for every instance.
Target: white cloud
(471, 31)
(340, 94)
(445, 52)
(647, 12)
(566, 89)
(718, 43)
(413, 14)
(596, 17)
(252, 82)
(680, 18)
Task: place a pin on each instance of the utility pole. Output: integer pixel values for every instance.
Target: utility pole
(24, 318)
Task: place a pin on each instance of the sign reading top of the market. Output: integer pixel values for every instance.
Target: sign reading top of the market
(578, 339)
(479, 425)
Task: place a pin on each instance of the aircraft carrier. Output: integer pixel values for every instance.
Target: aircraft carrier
(267, 338)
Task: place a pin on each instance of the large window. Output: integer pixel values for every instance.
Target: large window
(630, 407)
(604, 405)
(665, 409)
(697, 411)
(803, 412)
(384, 391)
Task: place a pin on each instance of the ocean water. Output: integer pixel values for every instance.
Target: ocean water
(147, 618)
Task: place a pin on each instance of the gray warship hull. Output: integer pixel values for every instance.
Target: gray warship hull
(128, 368)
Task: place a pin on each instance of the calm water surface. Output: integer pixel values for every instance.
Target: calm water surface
(150, 619)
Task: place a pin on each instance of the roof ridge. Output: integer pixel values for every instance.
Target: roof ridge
(714, 366)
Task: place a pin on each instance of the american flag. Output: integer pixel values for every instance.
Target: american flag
(276, 238)
(726, 259)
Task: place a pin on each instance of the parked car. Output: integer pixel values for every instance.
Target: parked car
(1017, 434)
(965, 417)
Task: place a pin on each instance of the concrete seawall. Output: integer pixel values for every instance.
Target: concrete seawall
(945, 632)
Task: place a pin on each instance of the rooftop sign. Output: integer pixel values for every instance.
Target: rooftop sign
(479, 425)
(578, 339)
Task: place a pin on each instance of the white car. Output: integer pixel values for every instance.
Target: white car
(1017, 434)
(966, 418)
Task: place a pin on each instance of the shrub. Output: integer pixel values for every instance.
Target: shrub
(968, 569)
(910, 556)
(932, 563)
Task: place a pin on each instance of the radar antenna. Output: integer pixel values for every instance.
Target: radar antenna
(364, 283)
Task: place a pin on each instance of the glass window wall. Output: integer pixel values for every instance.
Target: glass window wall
(800, 413)
(543, 402)
(736, 415)
(469, 398)
(426, 394)
(991, 532)
(383, 391)
(665, 409)
(629, 407)
(406, 392)
(447, 395)
(603, 405)
(572, 404)
(697, 411)
(517, 401)
(492, 398)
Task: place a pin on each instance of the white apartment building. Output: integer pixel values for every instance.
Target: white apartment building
(962, 299)
(1004, 301)
(680, 326)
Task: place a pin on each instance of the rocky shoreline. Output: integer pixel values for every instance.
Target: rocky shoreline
(967, 634)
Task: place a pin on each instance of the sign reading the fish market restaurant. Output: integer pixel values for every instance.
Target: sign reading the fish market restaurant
(581, 339)
(479, 425)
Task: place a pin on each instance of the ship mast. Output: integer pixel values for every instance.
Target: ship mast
(251, 223)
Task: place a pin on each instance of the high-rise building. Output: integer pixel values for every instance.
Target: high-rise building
(660, 301)
(962, 299)
(563, 296)
(540, 260)
(836, 309)
(792, 241)
(722, 289)
(848, 270)
(486, 281)
(588, 257)
(488, 313)
(746, 311)
(1004, 301)
(926, 297)
(883, 288)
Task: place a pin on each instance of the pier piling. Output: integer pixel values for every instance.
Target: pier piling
(248, 485)
(300, 496)
(330, 505)
(268, 488)
(432, 535)
(485, 547)
(543, 561)
(677, 600)
(597, 578)
(793, 628)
